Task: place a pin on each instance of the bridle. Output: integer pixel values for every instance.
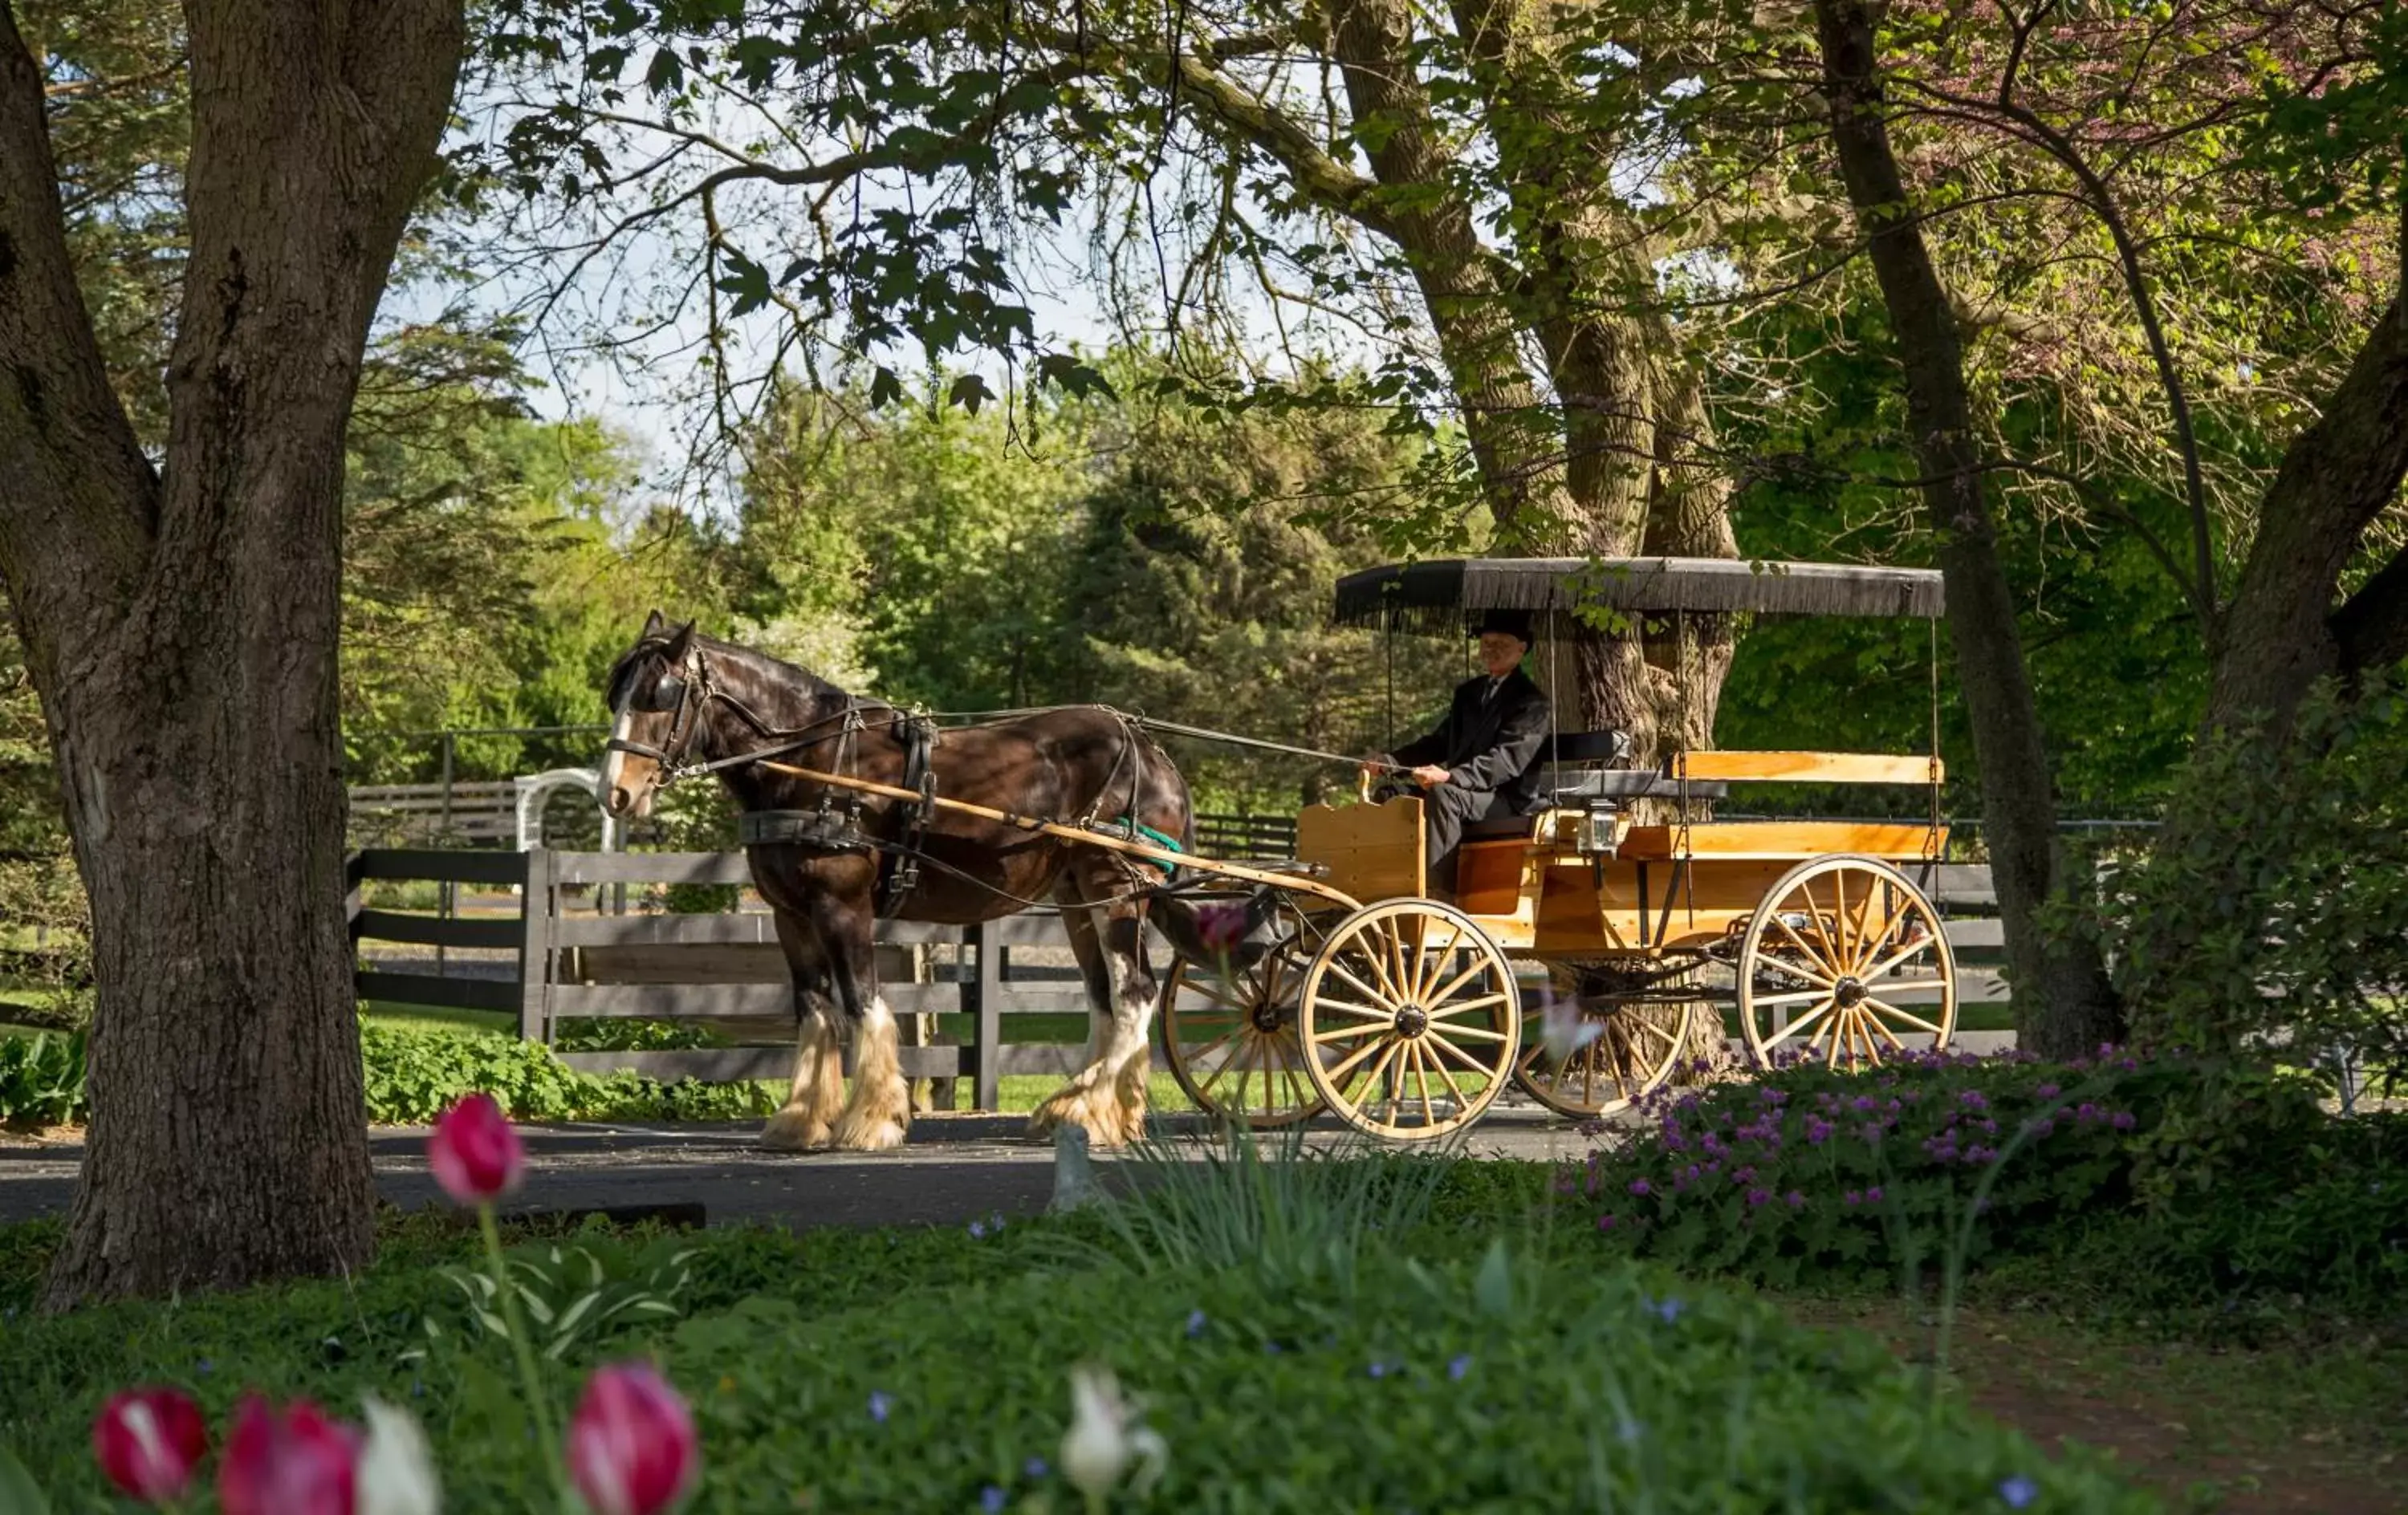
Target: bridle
(693, 690)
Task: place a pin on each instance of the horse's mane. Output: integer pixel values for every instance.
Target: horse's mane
(657, 644)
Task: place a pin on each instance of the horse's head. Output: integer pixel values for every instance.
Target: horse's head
(655, 692)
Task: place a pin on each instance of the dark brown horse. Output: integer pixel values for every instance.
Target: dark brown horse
(827, 859)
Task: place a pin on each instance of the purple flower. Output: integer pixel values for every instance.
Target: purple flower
(1036, 1467)
(880, 1404)
(1195, 1323)
(1605, 1222)
(1971, 1099)
(1669, 1310)
(1794, 1200)
(1817, 1130)
(991, 1500)
(978, 1231)
(1872, 1196)
(1759, 1197)
(2018, 1492)
(1456, 1367)
(1379, 1369)
(1639, 1186)
(1853, 1197)
(2123, 1121)
(2046, 1090)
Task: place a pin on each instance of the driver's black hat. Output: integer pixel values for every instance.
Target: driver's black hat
(1516, 623)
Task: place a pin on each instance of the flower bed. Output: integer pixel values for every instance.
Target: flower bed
(2211, 1181)
(1034, 1365)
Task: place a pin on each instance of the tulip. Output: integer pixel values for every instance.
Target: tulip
(1104, 1438)
(396, 1474)
(292, 1462)
(474, 1151)
(1221, 926)
(1565, 1030)
(632, 1448)
(148, 1442)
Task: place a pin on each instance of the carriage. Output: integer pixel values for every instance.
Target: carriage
(1662, 928)
(1354, 991)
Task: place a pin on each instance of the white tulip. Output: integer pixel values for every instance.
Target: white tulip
(1103, 1439)
(397, 1473)
(1565, 1030)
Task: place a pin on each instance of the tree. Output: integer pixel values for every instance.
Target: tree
(2064, 1003)
(180, 623)
(1478, 193)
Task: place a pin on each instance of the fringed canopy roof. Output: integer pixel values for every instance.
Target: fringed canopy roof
(1443, 594)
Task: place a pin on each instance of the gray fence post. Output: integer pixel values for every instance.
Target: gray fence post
(983, 991)
(535, 952)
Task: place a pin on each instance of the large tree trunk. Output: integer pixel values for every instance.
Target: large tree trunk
(2065, 1005)
(182, 631)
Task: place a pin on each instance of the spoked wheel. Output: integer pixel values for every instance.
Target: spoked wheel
(1411, 1021)
(1246, 1061)
(1628, 1045)
(1843, 958)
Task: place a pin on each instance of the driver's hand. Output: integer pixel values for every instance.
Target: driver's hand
(1429, 775)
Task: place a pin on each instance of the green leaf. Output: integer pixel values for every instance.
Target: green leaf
(969, 392)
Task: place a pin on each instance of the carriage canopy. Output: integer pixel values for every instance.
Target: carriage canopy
(1436, 594)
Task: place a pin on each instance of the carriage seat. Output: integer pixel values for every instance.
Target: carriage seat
(1623, 784)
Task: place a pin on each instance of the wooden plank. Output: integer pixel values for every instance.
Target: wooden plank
(651, 869)
(1980, 935)
(1970, 884)
(539, 904)
(984, 998)
(1774, 840)
(670, 1002)
(443, 864)
(725, 929)
(1808, 767)
(727, 1065)
(445, 993)
(435, 930)
(1372, 852)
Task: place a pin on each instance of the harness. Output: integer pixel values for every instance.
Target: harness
(834, 828)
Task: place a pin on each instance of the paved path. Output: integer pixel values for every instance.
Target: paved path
(955, 1169)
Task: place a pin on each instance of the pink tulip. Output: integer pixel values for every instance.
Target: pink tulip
(475, 1151)
(632, 1448)
(148, 1442)
(1221, 926)
(289, 1462)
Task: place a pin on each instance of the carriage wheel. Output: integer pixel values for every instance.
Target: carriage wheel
(1248, 1064)
(1411, 1021)
(1843, 958)
(1637, 1044)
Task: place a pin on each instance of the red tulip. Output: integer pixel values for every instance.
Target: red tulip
(148, 1442)
(290, 1462)
(632, 1448)
(1221, 926)
(475, 1151)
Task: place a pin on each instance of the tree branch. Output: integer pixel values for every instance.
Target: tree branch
(78, 499)
(2372, 626)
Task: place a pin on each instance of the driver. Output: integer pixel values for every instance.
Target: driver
(1483, 760)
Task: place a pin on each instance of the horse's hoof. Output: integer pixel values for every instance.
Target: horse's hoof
(793, 1131)
(869, 1137)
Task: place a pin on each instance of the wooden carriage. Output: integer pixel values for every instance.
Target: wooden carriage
(1404, 1014)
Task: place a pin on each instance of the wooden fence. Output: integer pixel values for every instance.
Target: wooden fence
(533, 934)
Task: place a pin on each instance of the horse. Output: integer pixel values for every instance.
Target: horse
(830, 861)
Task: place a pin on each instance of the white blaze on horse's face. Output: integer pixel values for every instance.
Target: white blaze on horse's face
(628, 781)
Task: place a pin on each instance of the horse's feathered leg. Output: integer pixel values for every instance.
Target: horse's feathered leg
(880, 1109)
(804, 1124)
(1106, 1096)
(1073, 1103)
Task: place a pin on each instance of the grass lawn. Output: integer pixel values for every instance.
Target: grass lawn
(2305, 1427)
(1346, 1344)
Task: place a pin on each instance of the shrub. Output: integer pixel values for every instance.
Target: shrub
(2239, 1183)
(41, 1080)
(411, 1075)
(2282, 919)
